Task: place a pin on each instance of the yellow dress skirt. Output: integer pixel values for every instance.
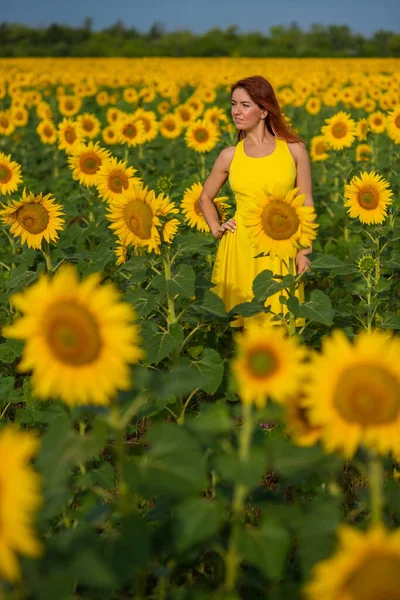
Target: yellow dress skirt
(235, 266)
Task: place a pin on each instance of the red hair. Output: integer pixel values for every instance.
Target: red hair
(262, 93)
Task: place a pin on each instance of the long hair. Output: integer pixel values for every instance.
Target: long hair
(262, 93)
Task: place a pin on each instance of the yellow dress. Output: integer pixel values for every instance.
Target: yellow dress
(235, 266)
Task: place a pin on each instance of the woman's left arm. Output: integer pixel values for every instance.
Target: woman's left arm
(303, 182)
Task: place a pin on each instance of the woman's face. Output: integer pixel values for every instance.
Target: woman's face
(246, 114)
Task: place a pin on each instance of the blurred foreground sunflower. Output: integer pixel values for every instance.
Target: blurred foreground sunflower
(79, 338)
(267, 364)
(353, 393)
(366, 566)
(20, 499)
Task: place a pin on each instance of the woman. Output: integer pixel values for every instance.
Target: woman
(269, 155)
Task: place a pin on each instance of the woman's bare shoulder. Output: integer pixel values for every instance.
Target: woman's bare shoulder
(226, 156)
(297, 149)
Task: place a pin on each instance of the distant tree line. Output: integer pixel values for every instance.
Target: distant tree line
(118, 40)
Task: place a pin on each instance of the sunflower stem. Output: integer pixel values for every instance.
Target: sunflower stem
(202, 167)
(47, 255)
(375, 476)
(232, 558)
(369, 290)
(91, 204)
(292, 292)
(121, 488)
(377, 263)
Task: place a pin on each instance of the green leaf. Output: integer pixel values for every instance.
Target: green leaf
(159, 344)
(197, 520)
(212, 420)
(182, 282)
(390, 321)
(266, 548)
(318, 309)
(264, 285)
(143, 301)
(174, 465)
(211, 303)
(90, 569)
(245, 472)
(210, 368)
(191, 243)
(10, 350)
(248, 309)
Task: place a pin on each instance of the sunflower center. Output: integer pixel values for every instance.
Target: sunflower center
(33, 217)
(4, 122)
(117, 180)
(88, 125)
(368, 198)
(262, 363)
(47, 131)
(129, 131)
(279, 220)
(339, 130)
(185, 115)
(378, 578)
(320, 148)
(69, 105)
(146, 124)
(169, 125)
(90, 163)
(72, 334)
(139, 218)
(5, 174)
(368, 395)
(70, 135)
(201, 135)
(397, 121)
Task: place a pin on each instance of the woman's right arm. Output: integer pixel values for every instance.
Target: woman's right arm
(212, 185)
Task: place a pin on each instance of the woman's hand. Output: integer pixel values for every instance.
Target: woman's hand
(229, 225)
(302, 262)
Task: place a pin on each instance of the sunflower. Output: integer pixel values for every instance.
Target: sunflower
(339, 131)
(354, 393)
(297, 422)
(130, 95)
(377, 122)
(267, 363)
(319, 148)
(362, 128)
(89, 124)
(19, 116)
(7, 126)
(196, 105)
(47, 131)
(149, 120)
(170, 126)
(368, 197)
(163, 107)
(393, 125)
(130, 131)
(121, 253)
(79, 338)
(113, 114)
(202, 136)
(185, 114)
(10, 174)
(69, 135)
(215, 115)
(366, 566)
(313, 105)
(110, 135)
(20, 499)
(280, 224)
(190, 208)
(363, 152)
(102, 98)
(69, 105)
(33, 218)
(113, 179)
(86, 162)
(147, 94)
(43, 111)
(137, 218)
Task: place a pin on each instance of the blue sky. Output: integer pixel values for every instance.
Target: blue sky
(200, 15)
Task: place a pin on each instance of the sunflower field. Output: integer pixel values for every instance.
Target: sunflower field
(148, 449)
